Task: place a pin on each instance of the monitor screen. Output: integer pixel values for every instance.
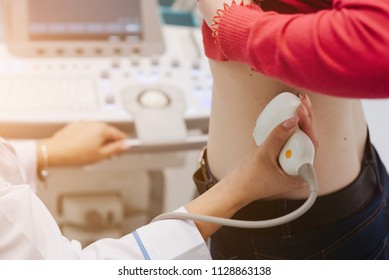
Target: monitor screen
(108, 20)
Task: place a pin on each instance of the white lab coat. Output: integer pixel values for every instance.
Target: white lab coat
(28, 231)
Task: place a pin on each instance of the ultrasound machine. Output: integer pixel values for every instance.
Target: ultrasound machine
(101, 60)
(113, 61)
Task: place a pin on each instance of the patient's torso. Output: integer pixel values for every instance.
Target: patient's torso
(239, 96)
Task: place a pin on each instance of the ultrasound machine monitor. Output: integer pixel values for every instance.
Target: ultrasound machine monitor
(82, 28)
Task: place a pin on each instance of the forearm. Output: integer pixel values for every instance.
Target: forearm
(48, 155)
(43, 161)
(222, 200)
(340, 52)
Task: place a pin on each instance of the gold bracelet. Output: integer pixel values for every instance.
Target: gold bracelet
(44, 171)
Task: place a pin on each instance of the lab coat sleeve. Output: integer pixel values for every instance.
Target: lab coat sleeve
(27, 157)
(28, 231)
(161, 240)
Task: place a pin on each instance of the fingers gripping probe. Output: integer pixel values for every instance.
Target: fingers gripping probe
(296, 158)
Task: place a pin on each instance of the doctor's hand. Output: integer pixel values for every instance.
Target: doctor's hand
(259, 174)
(208, 8)
(81, 143)
(256, 176)
(260, 171)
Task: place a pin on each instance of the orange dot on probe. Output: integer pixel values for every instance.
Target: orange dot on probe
(288, 153)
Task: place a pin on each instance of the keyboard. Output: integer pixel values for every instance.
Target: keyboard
(37, 94)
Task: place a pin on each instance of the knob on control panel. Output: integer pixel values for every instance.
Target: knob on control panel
(153, 98)
(158, 113)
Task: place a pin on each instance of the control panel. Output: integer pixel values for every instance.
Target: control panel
(170, 91)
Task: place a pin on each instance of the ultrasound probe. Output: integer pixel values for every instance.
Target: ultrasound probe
(296, 158)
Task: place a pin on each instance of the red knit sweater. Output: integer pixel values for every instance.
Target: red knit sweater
(339, 48)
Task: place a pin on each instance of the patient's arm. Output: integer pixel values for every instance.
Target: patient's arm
(339, 50)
